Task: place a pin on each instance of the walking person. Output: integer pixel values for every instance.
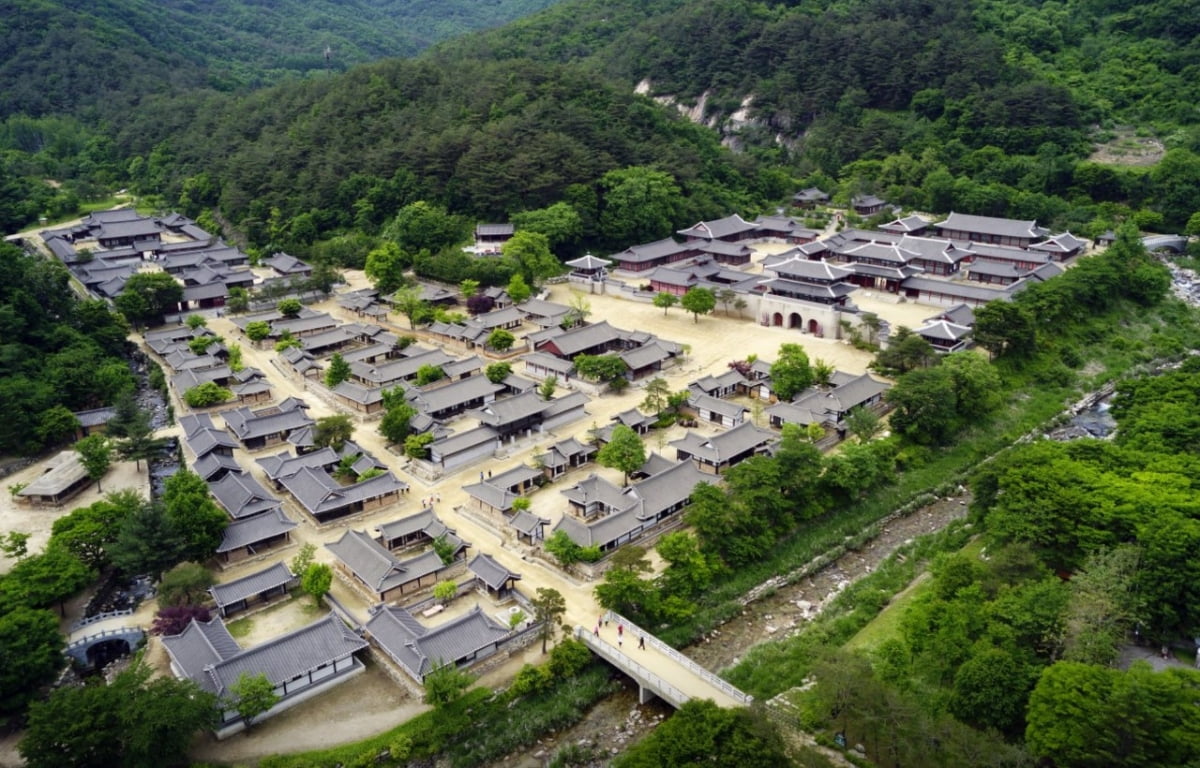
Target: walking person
(620, 630)
(641, 642)
(596, 631)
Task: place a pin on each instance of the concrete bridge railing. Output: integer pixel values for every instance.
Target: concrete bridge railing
(644, 677)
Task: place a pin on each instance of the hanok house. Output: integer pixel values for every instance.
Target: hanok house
(325, 499)
(256, 589)
(442, 401)
(493, 579)
(596, 339)
(285, 265)
(529, 528)
(867, 205)
(930, 290)
(728, 384)
(716, 410)
(801, 287)
(267, 427)
(809, 198)
(299, 664)
(713, 455)
(403, 369)
(421, 529)
(989, 229)
(542, 365)
(384, 577)
(945, 337)
(463, 448)
(240, 495)
(255, 535)
(565, 455)
(284, 464)
(367, 400)
(731, 229)
(907, 225)
(644, 258)
(880, 266)
(783, 229)
(829, 408)
(419, 650)
(605, 516)
(94, 421)
(63, 477)
(490, 238)
(211, 448)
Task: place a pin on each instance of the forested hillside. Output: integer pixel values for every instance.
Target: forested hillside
(64, 56)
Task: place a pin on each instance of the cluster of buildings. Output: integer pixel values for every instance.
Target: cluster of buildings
(108, 247)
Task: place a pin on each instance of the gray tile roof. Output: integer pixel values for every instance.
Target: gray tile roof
(369, 560)
(211, 463)
(588, 262)
(548, 361)
(248, 586)
(420, 650)
(730, 225)
(644, 356)
(464, 441)
(247, 424)
(434, 399)
(242, 496)
(725, 446)
(320, 494)
(490, 572)
(284, 463)
(205, 656)
(62, 472)
(406, 526)
(500, 413)
(357, 393)
(527, 522)
(943, 330)
(958, 290)
(582, 338)
(560, 453)
(959, 314)
(650, 251)
(990, 225)
(718, 406)
(494, 496)
(251, 530)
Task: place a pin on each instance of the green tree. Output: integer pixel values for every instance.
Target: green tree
(530, 251)
(339, 370)
(190, 511)
(15, 544)
(1103, 606)
(560, 223)
(253, 695)
(206, 395)
(445, 684)
(289, 307)
(133, 721)
(906, 351)
(96, 455)
(32, 650)
(57, 425)
(303, 558)
(87, 532)
(425, 226)
(657, 391)
(863, 423)
(46, 579)
(625, 590)
(257, 330)
(427, 374)
(386, 266)
(700, 732)
(316, 581)
(698, 301)
(624, 452)
(396, 422)
(548, 386)
(333, 431)
(977, 389)
(518, 290)
(501, 340)
(689, 571)
(791, 373)
(408, 302)
(417, 446)
(1005, 330)
(238, 301)
(148, 296)
(926, 406)
(498, 372)
(195, 321)
(185, 584)
(640, 204)
(147, 542)
(603, 368)
(549, 606)
(563, 548)
(665, 301)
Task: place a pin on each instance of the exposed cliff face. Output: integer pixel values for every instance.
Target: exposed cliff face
(730, 125)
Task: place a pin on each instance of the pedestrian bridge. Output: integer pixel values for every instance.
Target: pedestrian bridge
(658, 669)
(1176, 243)
(103, 637)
